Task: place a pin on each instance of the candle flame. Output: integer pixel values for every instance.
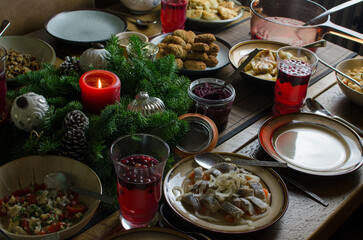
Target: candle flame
(99, 83)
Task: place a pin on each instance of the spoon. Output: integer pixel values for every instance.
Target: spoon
(138, 21)
(4, 25)
(317, 44)
(163, 214)
(208, 160)
(61, 181)
(317, 108)
(334, 9)
(341, 73)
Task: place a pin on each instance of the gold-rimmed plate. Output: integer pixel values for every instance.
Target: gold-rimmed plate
(242, 49)
(312, 144)
(276, 186)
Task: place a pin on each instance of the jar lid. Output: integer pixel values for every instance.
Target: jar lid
(201, 137)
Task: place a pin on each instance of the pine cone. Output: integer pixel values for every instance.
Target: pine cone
(76, 120)
(70, 64)
(74, 144)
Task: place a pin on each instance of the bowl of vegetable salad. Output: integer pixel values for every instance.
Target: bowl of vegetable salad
(31, 210)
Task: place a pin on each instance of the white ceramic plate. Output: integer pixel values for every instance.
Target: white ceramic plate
(312, 144)
(150, 234)
(276, 186)
(82, 27)
(222, 56)
(202, 23)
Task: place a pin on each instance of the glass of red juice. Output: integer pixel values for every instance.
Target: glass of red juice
(3, 87)
(173, 14)
(139, 161)
(295, 66)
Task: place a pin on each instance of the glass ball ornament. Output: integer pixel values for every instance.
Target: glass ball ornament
(146, 105)
(28, 111)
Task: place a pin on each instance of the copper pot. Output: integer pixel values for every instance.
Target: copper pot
(282, 21)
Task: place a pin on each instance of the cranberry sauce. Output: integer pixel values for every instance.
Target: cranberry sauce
(209, 92)
(214, 102)
(139, 188)
(291, 86)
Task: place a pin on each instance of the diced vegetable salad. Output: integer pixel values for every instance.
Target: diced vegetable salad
(38, 210)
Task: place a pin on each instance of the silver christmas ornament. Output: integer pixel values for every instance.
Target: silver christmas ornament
(28, 111)
(146, 105)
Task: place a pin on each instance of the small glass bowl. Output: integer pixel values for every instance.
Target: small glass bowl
(151, 50)
(218, 110)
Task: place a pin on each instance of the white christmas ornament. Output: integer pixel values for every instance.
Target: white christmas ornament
(94, 57)
(28, 111)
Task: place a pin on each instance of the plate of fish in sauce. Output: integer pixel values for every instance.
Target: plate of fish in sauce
(226, 198)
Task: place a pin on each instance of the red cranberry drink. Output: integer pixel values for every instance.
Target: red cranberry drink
(139, 189)
(139, 161)
(173, 14)
(295, 66)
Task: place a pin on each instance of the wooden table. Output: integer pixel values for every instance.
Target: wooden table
(304, 218)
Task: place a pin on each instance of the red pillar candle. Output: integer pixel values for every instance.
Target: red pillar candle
(99, 88)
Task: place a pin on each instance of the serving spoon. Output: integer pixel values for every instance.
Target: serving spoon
(138, 21)
(208, 160)
(332, 10)
(341, 73)
(62, 181)
(317, 108)
(4, 25)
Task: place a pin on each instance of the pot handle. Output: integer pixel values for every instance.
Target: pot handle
(343, 32)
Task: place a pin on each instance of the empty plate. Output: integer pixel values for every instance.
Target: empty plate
(312, 144)
(82, 27)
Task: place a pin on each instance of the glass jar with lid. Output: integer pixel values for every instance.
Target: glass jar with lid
(212, 99)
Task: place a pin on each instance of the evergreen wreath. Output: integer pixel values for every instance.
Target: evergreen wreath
(137, 73)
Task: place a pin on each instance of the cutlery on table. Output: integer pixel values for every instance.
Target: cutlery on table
(4, 25)
(236, 72)
(332, 10)
(208, 160)
(341, 73)
(138, 21)
(61, 181)
(165, 222)
(315, 107)
(305, 190)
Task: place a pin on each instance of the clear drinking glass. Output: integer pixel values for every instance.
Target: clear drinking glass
(173, 14)
(3, 87)
(139, 161)
(295, 66)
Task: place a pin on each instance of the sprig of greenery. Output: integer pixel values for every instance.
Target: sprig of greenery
(137, 73)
